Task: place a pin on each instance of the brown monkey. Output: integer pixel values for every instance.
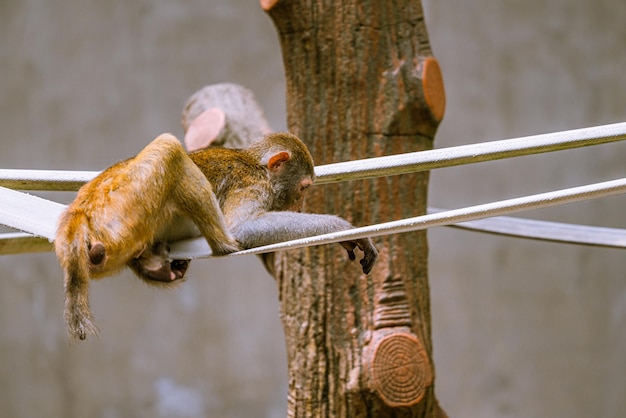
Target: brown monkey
(123, 216)
(234, 198)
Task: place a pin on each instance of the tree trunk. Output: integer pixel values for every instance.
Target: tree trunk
(361, 82)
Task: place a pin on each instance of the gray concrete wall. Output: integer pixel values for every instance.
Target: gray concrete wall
(520, 328)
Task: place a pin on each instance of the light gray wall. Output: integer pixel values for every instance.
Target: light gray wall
(521, 329)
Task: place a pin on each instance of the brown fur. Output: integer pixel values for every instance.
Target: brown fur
(124, 209)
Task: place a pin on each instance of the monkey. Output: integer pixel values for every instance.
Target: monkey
(236, 199)
(121, 217)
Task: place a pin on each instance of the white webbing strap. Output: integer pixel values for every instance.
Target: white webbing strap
(29, 213)
(55, 180)
(412, 162)
(503, 207)
(39, 217)
(565, 233)
(373, 167)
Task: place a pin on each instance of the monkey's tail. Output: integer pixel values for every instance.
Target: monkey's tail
(71, 246)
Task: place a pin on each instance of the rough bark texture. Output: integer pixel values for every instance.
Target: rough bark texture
(361, 82)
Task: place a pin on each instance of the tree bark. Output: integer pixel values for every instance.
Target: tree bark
(361, 82)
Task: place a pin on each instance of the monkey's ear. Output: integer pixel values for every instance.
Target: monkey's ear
(205, 129)
(277, 160)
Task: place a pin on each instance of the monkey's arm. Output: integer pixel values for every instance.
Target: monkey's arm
(272, 227)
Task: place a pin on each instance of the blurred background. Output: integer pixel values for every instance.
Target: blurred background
(520, 328)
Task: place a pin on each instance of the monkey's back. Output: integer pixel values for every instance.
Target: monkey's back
(233, 172)
(122, 206)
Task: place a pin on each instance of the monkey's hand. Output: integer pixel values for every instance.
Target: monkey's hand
(370, 253)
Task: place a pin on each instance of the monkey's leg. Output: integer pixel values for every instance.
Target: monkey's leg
(195, 199)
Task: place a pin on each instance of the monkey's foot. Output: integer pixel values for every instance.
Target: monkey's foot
(154, 265)
(168, 272)
(179, 267)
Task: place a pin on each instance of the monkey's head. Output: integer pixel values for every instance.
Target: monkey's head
(290, 168)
